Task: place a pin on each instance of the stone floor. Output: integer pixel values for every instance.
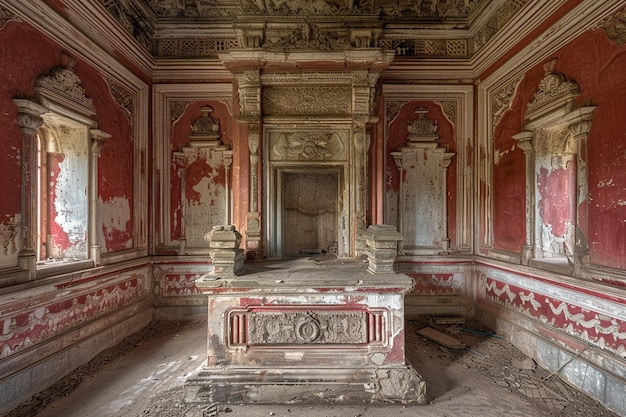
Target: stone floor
(143, 376)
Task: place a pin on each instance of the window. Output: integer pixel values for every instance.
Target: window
(59, 171)
(63, 191)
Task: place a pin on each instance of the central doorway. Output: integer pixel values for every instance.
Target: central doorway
(307, 211)
(310, 212)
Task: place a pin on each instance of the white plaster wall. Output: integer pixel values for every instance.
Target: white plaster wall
(422, 199)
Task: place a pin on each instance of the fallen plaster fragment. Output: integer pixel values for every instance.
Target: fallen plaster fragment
(441, 338)
(527, 364)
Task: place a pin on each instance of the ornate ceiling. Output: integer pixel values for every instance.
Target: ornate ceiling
(414, 29)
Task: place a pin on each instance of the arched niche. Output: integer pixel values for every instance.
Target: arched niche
(554, 141)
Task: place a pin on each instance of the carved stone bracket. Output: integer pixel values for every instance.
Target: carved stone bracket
(615, 26)
(7, 16)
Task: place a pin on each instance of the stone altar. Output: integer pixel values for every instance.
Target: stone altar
(306, 331)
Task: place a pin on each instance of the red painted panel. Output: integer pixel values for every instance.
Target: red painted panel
(509, 170)
(24, 55)
(556, 189)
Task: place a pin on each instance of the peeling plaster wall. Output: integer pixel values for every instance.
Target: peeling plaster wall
(205, 201)
(26, 54)
(596, 64)
(49, 327)
(23, 56)
(421, 181)
(68, 173)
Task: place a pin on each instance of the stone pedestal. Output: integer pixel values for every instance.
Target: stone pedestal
(225, 254)
(382, 247)
(284, 335)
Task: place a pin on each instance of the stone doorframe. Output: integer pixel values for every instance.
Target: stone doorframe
(312, 117)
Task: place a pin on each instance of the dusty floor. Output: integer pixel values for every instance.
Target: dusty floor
(143, 376)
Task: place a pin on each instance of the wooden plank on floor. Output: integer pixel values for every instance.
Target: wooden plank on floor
(441, 338)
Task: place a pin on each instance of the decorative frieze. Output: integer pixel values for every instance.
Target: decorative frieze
(365, 29)
(307, 100)
(307, 327)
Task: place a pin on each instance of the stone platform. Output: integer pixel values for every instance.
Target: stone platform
(306, 331)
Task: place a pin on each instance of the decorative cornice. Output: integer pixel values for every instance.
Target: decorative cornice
(63, 87)
(314, 25)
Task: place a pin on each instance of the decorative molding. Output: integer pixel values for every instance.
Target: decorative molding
(302, 30)
(307, 327)
(392, 109)
(62, 86)
(132, 19)
(297, 101)
(205, 127)
(124, 98)
(450, 109)
(615, 26)
(501, 100)
(422, 129)
(309, 146)
(7, 16)
(553, 89)
(177, 109)
(193, 47)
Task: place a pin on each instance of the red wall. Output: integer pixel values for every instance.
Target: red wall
(597, 65)
(26, 54)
